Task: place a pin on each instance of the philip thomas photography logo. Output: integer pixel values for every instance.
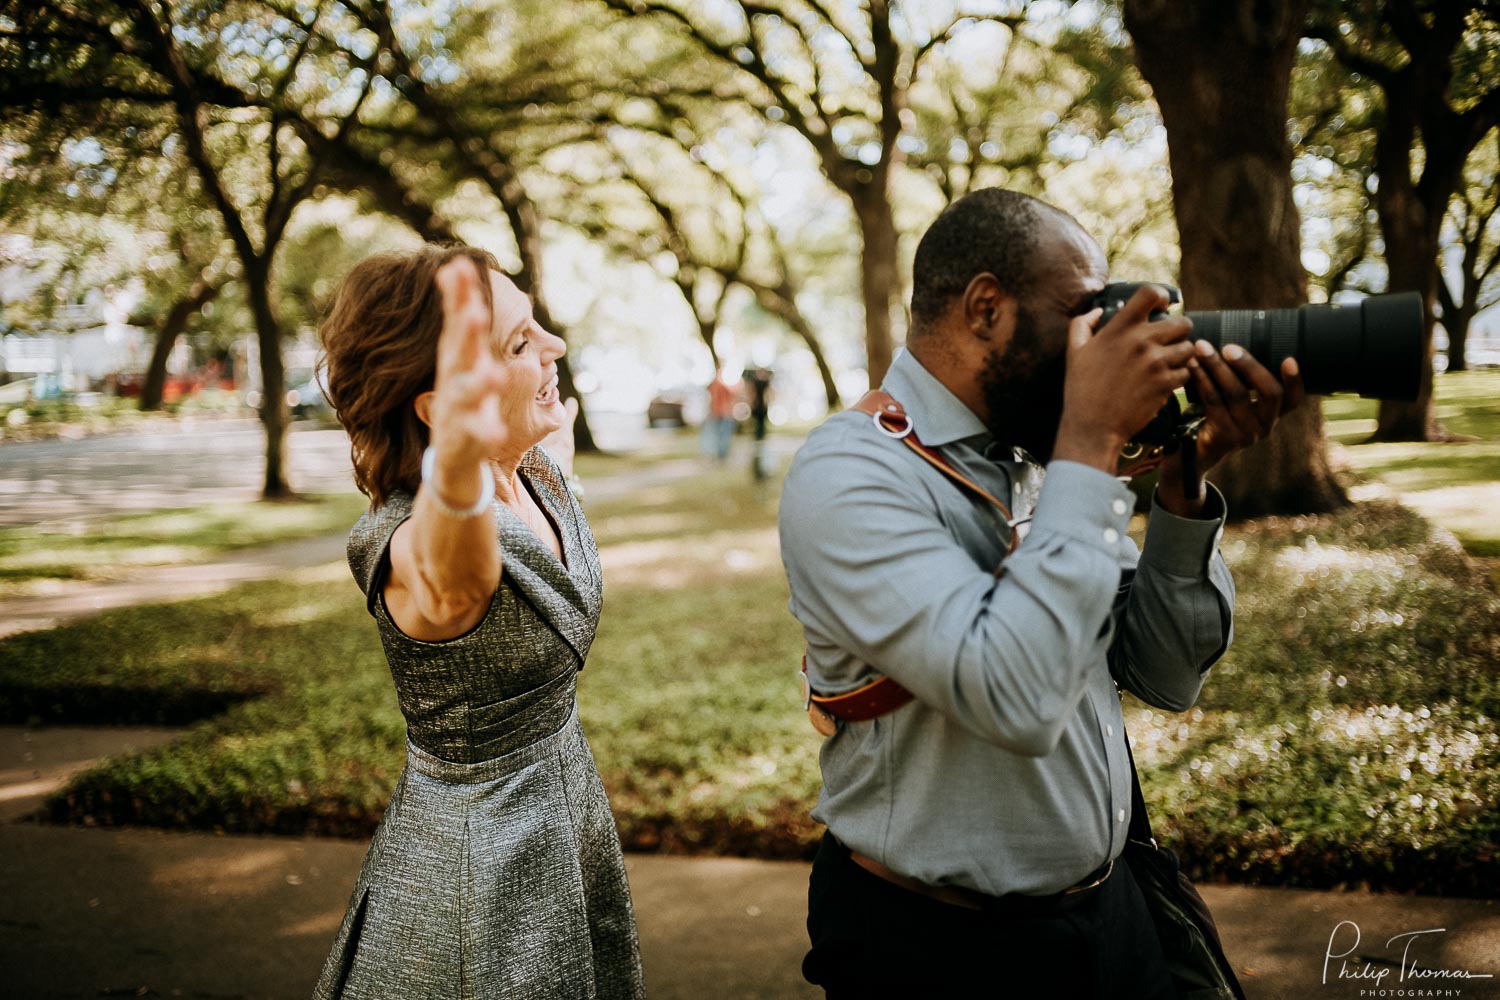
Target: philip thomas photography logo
(1402, 971)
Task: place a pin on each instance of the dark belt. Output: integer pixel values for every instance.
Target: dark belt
(1013, 904)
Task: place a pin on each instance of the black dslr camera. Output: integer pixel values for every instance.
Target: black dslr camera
(1373, 348)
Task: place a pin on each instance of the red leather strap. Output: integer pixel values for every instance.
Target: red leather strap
(891, 417)
(883, 695)
(879, 697)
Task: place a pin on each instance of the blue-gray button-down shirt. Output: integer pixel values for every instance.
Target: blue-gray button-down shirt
(1008, 772)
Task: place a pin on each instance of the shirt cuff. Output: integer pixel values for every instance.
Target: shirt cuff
(1086, 504)
(1183, 546)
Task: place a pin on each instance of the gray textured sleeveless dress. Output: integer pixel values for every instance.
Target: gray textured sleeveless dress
(496, 871)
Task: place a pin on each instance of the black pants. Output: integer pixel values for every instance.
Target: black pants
(873, 939)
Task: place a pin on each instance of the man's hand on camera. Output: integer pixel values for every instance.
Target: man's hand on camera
(1242, 401)
(1119, 377)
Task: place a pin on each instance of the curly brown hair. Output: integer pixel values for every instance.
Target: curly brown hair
(380, 339)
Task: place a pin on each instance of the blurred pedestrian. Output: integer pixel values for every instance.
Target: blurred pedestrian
(720, 424)
(758, 389)
(496, 871)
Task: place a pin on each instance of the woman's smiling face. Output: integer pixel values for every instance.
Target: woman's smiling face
(530, 404)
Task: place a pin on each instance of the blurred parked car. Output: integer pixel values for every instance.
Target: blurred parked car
(305, 399)
(16, 393)
(677, 407)
(310, 399)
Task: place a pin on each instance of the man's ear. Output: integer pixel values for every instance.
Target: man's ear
(989, 311)
(423, 406)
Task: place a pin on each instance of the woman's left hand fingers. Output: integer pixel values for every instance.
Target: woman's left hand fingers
(462, 343)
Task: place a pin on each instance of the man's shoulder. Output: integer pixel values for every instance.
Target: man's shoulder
(849, 441)
(847, 460)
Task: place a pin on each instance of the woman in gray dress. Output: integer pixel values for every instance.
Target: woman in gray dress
(496, 871)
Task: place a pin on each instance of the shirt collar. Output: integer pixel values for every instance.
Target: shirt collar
(937, 416)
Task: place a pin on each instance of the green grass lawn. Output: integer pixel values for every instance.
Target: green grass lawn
(1456, 485)
(91, 549)
(1349, 736)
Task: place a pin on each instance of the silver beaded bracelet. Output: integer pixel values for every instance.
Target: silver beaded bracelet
(486, 490)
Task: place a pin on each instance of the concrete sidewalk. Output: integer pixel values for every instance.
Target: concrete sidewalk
(131, 912)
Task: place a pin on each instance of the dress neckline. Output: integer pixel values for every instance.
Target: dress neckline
(545, 503)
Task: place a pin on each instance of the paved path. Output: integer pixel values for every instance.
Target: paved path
(188, 463)
(90, 912)
(160, 584)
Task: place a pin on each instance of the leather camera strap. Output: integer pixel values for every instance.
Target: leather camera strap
(883, 695)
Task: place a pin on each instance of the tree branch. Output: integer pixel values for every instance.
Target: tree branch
(1329, 35)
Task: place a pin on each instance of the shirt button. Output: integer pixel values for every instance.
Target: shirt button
(1118, 507)
(1018, 489)
(1120, 816)
(1111, 535)
(1109, 730)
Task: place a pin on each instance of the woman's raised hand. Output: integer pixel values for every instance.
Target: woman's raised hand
(466, 421)
(445, 560)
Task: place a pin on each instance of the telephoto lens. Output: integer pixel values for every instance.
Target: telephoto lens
(1372, 347)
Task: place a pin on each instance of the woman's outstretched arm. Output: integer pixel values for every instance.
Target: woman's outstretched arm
(445, 568)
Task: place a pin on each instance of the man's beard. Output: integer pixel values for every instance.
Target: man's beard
(1023, 388)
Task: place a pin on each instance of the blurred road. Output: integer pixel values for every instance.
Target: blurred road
(194, 463)
(53, 482)
(220, 460)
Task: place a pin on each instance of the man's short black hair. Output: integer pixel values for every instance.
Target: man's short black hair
(989, 231)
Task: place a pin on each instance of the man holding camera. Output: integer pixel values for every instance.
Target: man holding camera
(977, 780)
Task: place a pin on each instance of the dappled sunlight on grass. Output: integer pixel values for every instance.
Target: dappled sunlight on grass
(622, 528)
(1456, 484)
(1467, 403)
(1321, 562)
(671, 563)
(1412, 468)
(322, 603)
(1381, 794)
(1471, 512)
(101, 549)
(1351, 430)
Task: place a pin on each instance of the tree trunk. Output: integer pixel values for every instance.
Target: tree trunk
(1459, 313)
(879, 279)
(274, 415)
(1458, 339)
(171, 328)
(1221, 74)
(830, 387)
(1410, 230)
(1458, 343)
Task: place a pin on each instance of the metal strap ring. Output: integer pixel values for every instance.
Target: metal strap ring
(897, 434)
